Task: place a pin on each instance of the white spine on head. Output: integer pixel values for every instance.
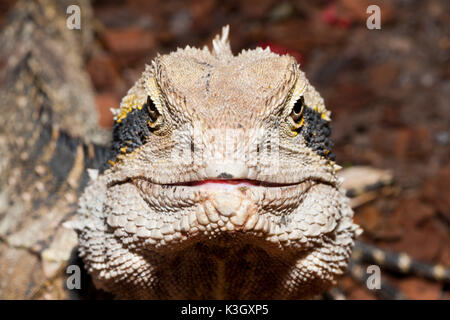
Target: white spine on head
(221, 44)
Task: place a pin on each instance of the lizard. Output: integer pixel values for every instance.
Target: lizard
(223, 185)
(220, 221)
(153, 224)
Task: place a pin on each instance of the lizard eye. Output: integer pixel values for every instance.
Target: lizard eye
(154, 116)
(297, 115)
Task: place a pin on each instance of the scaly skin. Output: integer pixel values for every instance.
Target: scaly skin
(222, 222)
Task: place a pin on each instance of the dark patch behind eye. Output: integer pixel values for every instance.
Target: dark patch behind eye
(316, 132)
(132, 132)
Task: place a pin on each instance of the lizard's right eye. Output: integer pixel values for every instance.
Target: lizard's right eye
(297, 110)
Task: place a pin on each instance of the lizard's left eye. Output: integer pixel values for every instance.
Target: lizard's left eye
(297, 115)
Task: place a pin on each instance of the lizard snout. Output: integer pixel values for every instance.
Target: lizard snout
(226, 169)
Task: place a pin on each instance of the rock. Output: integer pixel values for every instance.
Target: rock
(354, 291)
(415, 288)
(412, 212)
(369, 218)
(103, 71)
(106, 101)
(130, 40)
(423, 243)
(383, 75)
(437, 190)
(403, 143)
(257, 8)
(356, 10)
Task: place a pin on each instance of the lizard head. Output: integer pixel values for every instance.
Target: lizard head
(220, 161)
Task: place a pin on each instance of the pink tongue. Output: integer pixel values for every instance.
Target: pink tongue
(218, 181)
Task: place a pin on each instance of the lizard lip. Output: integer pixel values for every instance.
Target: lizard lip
(235, 182)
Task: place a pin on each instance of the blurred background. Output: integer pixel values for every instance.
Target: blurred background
(388, 91)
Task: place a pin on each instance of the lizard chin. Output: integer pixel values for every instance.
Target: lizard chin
(131, 231)
(169, 216)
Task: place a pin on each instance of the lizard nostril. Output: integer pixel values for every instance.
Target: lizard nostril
(225, 175)
(226, 170)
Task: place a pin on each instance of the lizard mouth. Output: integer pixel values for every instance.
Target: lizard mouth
(235, 182)
(237, 203)
(266, 213)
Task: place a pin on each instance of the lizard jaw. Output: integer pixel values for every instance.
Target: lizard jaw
(231, 206)
(149, 226)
